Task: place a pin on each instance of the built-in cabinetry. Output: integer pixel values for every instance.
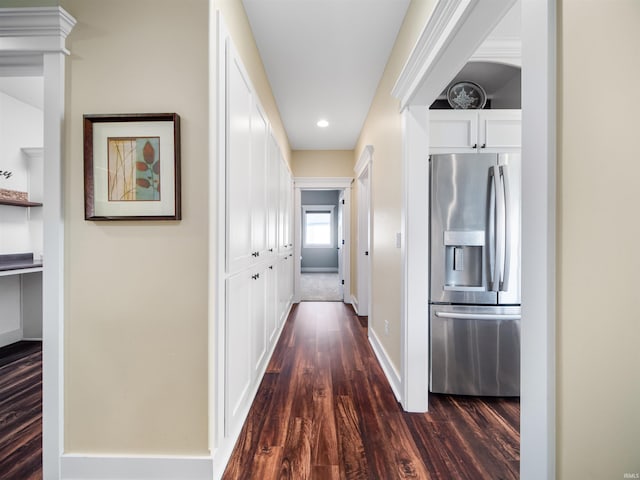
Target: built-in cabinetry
(464, 131)
(258, 271)
(21, 249)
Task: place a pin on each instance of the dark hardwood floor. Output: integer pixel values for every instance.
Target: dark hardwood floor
(21, 411)
(325, 411)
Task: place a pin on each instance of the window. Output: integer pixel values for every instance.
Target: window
(318, 226)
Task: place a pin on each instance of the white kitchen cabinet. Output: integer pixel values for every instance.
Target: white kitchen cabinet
(467, 131)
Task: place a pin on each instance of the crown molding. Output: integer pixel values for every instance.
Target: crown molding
(38, 29)
(499, 50)
(441, 26)
(366, 157)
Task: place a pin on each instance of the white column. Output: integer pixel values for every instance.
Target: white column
(415, 260)
(53, 273)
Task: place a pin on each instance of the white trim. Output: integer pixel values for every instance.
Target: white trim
(354, 302)
(12, 336)
(414, 326)
(440, 48)
(35, 29)
(364, 168)
(32, 41)
(441, 26)
(322, 183)
(538, 359)
(386, 364)
(319, 270)
(138, 467)
(216, 272)
(499, 50)
(365, 159)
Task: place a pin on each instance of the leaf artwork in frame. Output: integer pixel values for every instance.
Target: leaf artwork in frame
(134, 168)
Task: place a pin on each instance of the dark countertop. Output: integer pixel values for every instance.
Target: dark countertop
(18, 261)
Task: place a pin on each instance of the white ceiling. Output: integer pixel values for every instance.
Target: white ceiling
(324, 59)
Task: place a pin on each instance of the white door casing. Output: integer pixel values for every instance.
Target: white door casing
(363, 170)
(341, 244)
(342, 184)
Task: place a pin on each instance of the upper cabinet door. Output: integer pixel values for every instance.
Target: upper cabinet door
(238, 165)
(453, 131)
(500, 131)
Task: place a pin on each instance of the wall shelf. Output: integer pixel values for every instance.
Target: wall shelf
(19, 203)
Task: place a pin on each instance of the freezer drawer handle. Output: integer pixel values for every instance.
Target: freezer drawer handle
(477, 316)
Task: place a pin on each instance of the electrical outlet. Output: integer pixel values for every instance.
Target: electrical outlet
(386, 327)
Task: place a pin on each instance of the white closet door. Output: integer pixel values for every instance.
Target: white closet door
(238, 166)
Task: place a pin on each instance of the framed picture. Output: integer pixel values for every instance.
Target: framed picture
(132, 167)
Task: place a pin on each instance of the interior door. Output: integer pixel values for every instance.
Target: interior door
(341, 244)
(364, 238)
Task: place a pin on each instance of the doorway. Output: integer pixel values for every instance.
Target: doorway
(320, 268)
(322, 239)
(465, 28)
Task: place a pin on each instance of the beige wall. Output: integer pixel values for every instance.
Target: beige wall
(136, 292)
(382, 129)
(322, 163)
(598, 341)
(235, 19)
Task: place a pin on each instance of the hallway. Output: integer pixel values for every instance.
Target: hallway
(324, 410)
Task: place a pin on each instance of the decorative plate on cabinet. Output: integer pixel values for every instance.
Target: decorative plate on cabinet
(466, 96)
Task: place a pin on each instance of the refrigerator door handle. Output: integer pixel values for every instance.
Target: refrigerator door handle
(506, 267)
(491, 222)
(477, 316)
(498, 229)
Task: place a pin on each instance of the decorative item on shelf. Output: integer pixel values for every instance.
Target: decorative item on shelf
(132, 166)
(13, 195)
(466, 95)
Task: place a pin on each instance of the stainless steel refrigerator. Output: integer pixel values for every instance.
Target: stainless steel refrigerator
(474, 300)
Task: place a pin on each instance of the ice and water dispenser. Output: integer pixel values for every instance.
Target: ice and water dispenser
(464, 260)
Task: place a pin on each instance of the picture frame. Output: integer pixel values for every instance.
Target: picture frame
(132, 166)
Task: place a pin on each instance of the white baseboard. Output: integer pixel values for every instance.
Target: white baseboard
(12, 336)
(143, 467)
(32, 339)
(387, 367)
(319, 270)
(354, 302)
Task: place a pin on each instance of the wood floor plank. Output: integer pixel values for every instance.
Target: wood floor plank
(332, 414)
(353, 460)
(21, 411)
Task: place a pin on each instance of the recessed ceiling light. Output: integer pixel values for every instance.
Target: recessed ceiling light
(322, 123)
